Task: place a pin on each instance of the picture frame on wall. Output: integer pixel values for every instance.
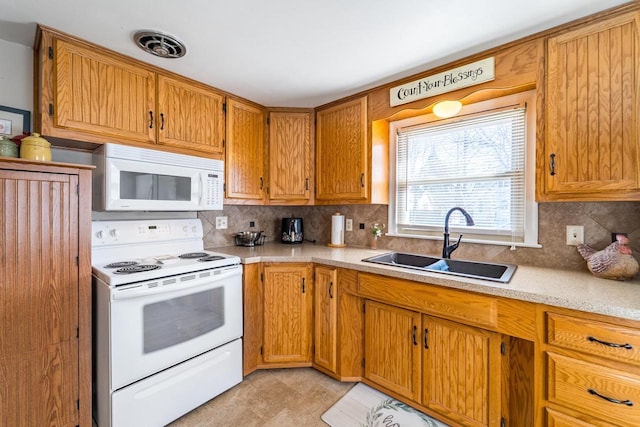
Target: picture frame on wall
(14, 121)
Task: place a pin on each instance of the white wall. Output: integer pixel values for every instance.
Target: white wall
(16, 76)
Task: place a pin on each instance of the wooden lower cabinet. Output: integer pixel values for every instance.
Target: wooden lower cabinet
(391, 350)
(287, 314)
(461, 372)
(45, 295)
(449, 368)
(326, 318)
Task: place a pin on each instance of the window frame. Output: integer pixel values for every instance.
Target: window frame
(531, 207)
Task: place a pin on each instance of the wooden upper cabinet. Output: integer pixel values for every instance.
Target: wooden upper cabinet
(289, 156)
(244, 168)
(98, 94)
(90, 94)
(189, 116)
(342, 153)
(592, 95)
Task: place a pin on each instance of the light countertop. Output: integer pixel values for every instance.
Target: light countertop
(570, 289)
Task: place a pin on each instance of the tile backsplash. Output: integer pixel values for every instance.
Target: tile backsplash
(599, 221)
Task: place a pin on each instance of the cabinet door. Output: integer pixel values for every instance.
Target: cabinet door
(190, 116)
(244, 167)
(99, 94)
(289, 156)
(350, 327)
(593, 84)
(39, 278)
(342, 152)
(392, 351)
(461, 372)
(288, 311)
(326, 319)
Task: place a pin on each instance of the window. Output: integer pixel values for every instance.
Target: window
(483, 160)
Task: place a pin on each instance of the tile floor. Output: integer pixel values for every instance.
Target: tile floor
(270, 398)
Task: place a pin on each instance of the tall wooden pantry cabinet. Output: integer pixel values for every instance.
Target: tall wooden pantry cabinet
(45, 294)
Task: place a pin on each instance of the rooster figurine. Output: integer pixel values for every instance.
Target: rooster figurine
(613, 262)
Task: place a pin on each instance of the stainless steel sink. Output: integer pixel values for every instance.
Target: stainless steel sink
(477, 270)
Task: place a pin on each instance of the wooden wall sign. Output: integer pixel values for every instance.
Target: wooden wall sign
(447, 81)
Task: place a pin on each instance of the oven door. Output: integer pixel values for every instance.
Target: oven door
(152, 329)
(134, 185)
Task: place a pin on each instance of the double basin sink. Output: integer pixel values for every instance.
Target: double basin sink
(472, 269)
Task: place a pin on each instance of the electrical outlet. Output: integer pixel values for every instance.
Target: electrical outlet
(221, 222)
(252, 223)
(362, 226)
(349, 224)
(575, 235)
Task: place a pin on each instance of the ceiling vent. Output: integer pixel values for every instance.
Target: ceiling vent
(160, 44)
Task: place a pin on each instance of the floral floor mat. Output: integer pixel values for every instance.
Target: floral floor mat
(363, 406)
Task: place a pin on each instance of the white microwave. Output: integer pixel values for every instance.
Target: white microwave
(139, 179)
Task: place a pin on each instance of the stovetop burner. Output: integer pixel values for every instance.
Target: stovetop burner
(211, 258)
(193, 255)
(121, 264)
(136, 269)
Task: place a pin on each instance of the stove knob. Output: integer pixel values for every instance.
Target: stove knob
(114, 233)
(185, 228)
(194, 229)
(100, 234)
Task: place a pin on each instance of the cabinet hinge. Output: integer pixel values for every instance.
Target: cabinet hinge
(224, 107)
(50, 52)
(51, 109)
(223, 142)
(503, 422)
(364, 308)
(262, 277)
(77, 261)
(77, 189)
(77, 332)
(78, 404)
(261, 351)
(503, 348)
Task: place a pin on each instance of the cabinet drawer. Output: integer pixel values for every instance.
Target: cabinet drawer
(609, 394)
(452, 304)
(598, 338)
(558, 419)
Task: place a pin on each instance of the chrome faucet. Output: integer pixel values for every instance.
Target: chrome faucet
(448, 249)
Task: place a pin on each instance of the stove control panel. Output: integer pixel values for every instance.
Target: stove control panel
(122, 232)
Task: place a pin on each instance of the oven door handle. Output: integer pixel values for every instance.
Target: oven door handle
(143, 290)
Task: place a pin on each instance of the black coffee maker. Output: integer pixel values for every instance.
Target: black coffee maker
(291, 230)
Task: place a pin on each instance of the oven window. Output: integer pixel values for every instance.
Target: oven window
(150, 186)
(174, 321)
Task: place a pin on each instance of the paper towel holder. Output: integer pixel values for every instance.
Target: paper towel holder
(334, 245)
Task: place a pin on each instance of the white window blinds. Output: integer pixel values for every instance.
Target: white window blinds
(477, 163)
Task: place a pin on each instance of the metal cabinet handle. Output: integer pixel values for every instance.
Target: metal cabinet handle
(610, 399)
(150, 119)
(306, 184)
(426, 338)
(161, 121)
(261, 182)
(330, 289)
(553, 164)
(415, 330)
(303, 285)
(362, 179)
(610, 344)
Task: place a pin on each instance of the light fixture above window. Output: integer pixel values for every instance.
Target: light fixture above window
(446, 108)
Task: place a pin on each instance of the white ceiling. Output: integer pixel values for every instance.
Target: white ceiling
(297, 53)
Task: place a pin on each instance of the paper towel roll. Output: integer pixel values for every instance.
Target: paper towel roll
(337, 229)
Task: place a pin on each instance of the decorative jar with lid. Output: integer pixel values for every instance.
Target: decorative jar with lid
(35, 147)
(8, 148)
